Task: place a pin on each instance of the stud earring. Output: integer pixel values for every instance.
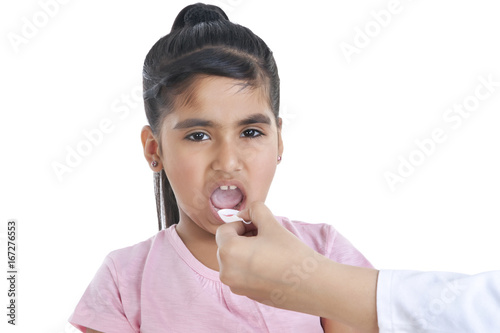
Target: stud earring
(279, 158)
(154, 164)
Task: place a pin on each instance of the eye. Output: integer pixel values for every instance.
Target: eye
(197, 137)
(251, 133)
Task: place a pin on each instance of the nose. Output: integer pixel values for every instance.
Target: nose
(227, 157)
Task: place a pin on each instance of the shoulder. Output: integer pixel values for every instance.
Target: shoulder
(326, 240)
(300, 227)
(319, 236)
(110, 302)
(134, 257)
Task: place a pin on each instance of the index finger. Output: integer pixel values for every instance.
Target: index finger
(228, 231)
(260, 215)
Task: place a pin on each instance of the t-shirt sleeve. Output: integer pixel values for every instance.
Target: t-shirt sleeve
(342, 251)
(438, 302)
(100, 307)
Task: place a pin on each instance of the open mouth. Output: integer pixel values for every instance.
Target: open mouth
(227, 197)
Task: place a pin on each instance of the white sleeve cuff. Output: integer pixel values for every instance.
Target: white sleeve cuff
(384, 301)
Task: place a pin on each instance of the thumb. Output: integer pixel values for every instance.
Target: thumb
(259, 214)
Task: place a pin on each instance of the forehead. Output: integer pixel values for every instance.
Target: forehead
(221, 97)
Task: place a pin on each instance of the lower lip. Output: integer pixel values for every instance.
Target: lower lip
(240, 207)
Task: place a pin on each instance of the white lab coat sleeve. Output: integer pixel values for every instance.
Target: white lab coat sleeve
(411, 301)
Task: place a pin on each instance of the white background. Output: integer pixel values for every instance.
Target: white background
(346, 123)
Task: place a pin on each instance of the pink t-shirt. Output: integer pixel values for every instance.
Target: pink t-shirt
(159, 286)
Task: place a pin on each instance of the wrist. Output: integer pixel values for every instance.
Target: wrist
(348, 294)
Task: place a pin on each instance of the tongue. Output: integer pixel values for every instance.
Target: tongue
(226, 199)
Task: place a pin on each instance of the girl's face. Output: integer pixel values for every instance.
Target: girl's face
(220, 149)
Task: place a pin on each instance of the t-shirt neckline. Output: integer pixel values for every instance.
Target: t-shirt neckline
(188, 257)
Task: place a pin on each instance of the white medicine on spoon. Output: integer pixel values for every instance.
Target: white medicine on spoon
(230, 215)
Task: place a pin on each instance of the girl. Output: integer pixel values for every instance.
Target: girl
(211, 94)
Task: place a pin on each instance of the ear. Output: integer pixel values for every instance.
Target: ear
(151, 148)
(280, 140)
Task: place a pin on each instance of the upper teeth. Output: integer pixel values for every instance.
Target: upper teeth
(225, 188)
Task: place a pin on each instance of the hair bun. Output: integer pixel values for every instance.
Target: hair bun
(197, 13)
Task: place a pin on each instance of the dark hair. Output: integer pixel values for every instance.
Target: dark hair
(202, 42)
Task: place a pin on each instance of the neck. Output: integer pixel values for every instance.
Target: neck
(199, 242)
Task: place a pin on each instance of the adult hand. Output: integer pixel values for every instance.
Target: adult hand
(267, 263)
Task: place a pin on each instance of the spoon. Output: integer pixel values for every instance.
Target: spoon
(229, 215)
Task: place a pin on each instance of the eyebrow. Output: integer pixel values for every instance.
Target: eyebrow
(257, 118)
(193, 122)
